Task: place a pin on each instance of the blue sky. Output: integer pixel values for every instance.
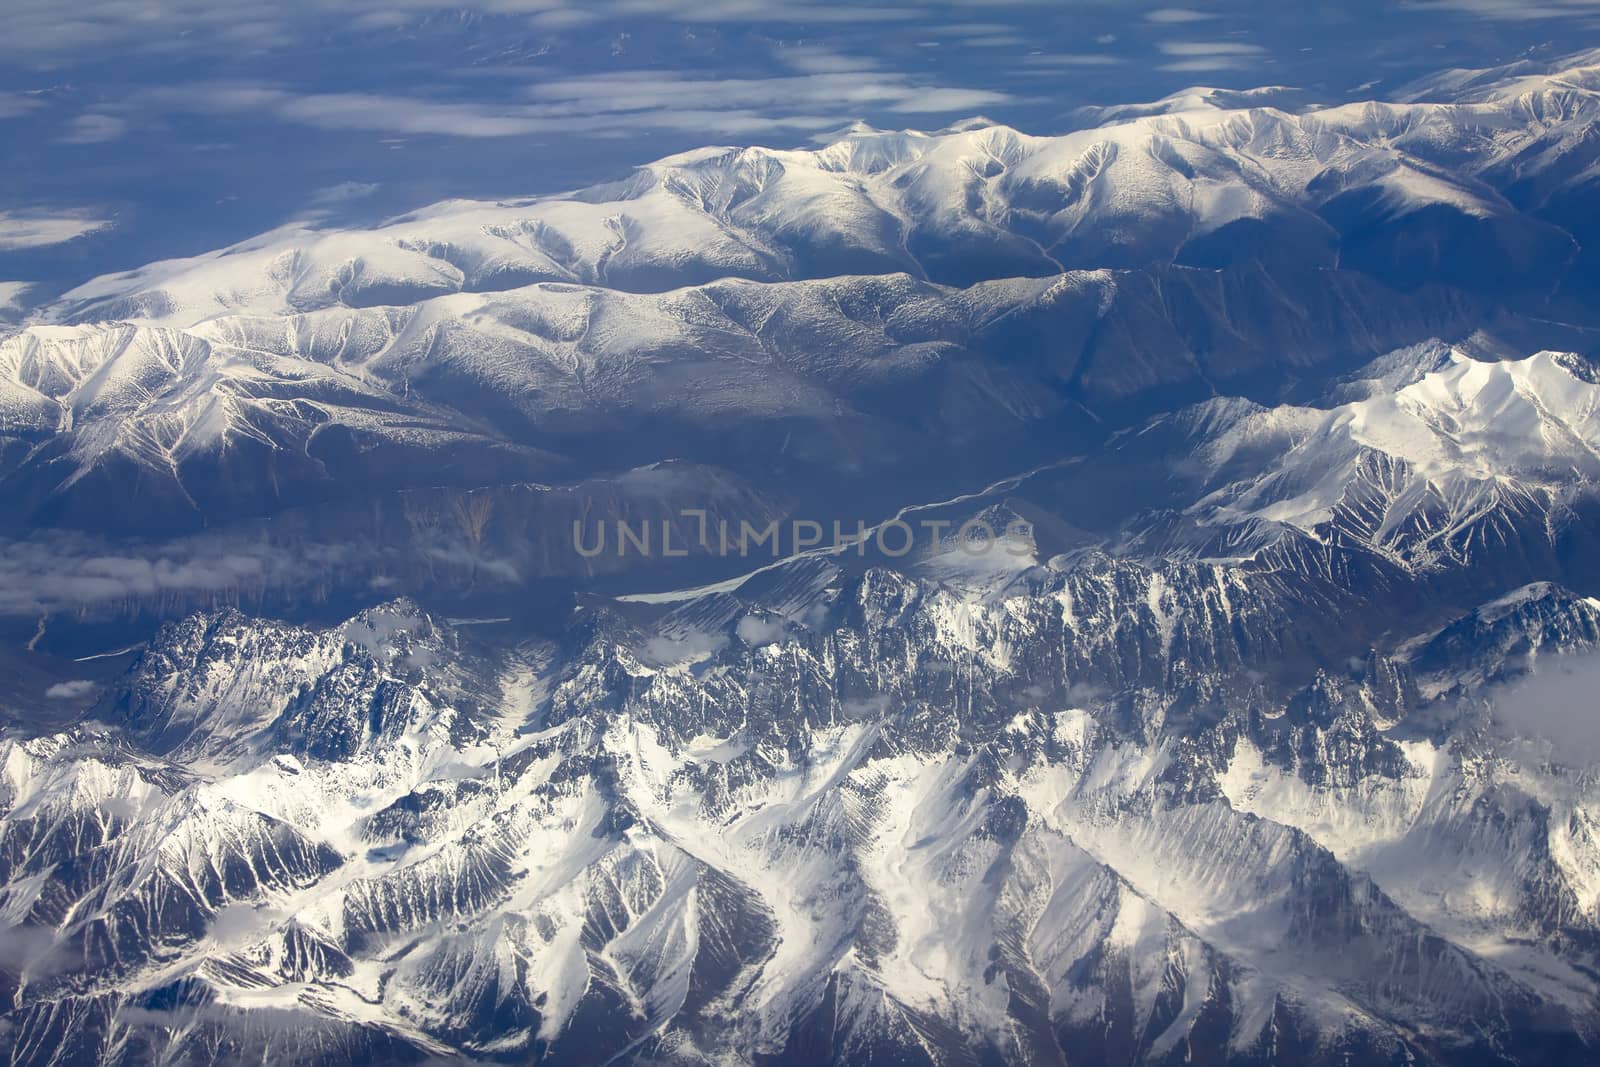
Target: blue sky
(140, 129)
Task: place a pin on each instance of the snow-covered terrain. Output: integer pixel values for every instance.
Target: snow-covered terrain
(1261, 737)
(957, 207)
(891, 294)
(907, 828)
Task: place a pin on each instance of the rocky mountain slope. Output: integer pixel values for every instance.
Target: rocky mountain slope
(835, 311)
(1074, 819)
(1261, 737)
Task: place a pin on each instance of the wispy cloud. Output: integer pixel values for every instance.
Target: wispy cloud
(1512, 10)
(1200, 66)
(15, 104)
(826, 90)
(12, 295)
(399, 114)
(1210, 55)
(1058, 60)
(94, 129)
(814, 59)
(1210, 48)
(1172, 16)
(996, 40)
(342, 193)
(22, 230)
(40, 28)
(837, 94)
(795, 11)
(1555, 704)
(72, 572)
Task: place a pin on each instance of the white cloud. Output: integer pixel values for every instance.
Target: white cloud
(41, 28)
(1049, 60)
(793, 11)
(11, 295)
(1171, 16)
(932, 101)
(1513, 10)
(1210, 55)
(15, 104)
(1555, 704)
(23, 230)
(1209, 63)
(94, 129)
(392, 114)
(74, 690)
(830, 91)
(1210, 48)
(684, 649)
(65, 572)
(237, 924)
(756, 631)
(828, 97)
(811, 59)
(343, 193)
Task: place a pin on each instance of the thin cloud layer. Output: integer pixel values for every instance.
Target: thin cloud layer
(12, 295)
(1172, 16)
(1210, 55)
(42, 28)
(1511, 10)
(835, 89)
(1555, 704)
(13, 105)
(23, 230)
(68, 573)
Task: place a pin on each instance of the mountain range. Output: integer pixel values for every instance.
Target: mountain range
(1264, 737)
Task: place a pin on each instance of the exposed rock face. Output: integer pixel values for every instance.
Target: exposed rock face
(1219, 760)
(1082, 815)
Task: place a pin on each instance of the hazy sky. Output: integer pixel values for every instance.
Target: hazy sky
(139, 129)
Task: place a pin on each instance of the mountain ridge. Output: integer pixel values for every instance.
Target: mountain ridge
(1251, 744)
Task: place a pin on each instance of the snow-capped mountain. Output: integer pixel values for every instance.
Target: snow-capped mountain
(865, 835)
(968, 205)
(1259, 741)
(1441, 456)
(240, 416)
(1003, 282)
